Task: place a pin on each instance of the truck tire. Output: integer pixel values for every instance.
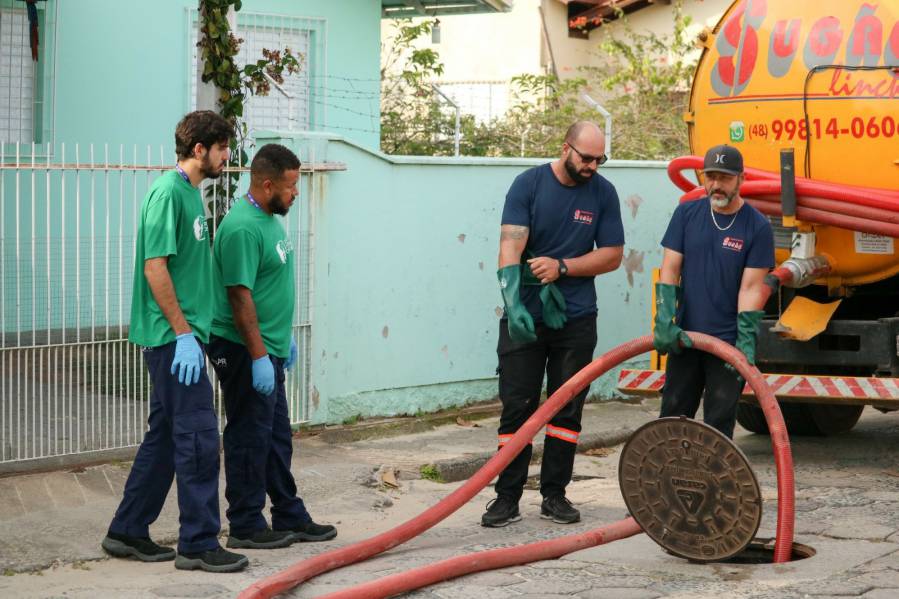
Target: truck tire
(752, 418)
(802, 419)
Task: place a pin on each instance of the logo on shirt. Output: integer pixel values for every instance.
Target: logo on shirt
(732, 243)
(582, 216)
(200, 228)
(283, 247)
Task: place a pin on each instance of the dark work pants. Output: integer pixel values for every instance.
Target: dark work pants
(559, 354)
(695, 374)
(258, 444)
(183, 443)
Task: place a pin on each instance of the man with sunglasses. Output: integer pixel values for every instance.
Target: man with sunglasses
(561, 227)
(717, 251)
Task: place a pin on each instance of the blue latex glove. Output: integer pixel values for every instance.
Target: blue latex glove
(188, 359)
(292, 359)
(264, 375)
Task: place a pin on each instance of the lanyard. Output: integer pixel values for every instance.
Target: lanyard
(183, 174)
(253, 200)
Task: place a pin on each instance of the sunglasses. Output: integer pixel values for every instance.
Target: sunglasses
(587, 159)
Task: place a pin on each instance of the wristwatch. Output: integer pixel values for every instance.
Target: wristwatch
(563, 270)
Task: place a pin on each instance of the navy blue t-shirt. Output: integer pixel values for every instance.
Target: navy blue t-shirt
(714, 261)
(564, 222)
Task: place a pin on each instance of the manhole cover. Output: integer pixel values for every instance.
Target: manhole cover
(690, 489)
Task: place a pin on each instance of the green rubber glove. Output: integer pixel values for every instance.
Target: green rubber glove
(667, 336)
(748, 332)
(527, 275)
(521, 325)
(553, 306)
(553, 301)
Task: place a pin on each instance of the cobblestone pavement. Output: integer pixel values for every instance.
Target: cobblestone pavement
(846, 510)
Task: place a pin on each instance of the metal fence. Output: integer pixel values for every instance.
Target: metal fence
(70, 382)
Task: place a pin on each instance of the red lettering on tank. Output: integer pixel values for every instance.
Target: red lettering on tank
(825, 36)
(786, 37)
(732, 30)
(892, 46)
(749, 55)
(846, 84)
(782, 46)
(866, 40)
(738, 48)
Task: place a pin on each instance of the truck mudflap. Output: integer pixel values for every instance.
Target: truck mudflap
(874, 391)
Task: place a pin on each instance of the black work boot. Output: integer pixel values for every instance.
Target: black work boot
(558, 509)
(214, 560)
(501, 511)
(142, 548)
(261, 539)
(311, 532)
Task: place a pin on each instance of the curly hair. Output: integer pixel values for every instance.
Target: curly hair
(201, 127)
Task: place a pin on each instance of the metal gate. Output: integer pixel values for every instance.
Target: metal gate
(70, 382)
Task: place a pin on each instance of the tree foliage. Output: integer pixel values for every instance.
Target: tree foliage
(218, 47)
(643, 81)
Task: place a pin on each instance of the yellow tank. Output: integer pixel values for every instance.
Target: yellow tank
(769, 64)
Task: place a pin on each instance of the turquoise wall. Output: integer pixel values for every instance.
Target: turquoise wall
(122, 68)
(405, 306)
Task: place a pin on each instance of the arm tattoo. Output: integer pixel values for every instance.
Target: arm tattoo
(513, 232)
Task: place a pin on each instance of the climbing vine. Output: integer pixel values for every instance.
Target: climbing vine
(218, 47)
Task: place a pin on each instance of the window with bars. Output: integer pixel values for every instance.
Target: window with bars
(295, 107)
(17, 75)
(23, 80)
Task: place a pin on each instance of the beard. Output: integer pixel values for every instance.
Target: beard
(577, 176)
(278, 206)
(209, 170)
(722, 202)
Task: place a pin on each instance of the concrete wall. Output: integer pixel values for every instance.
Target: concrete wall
(405, 306)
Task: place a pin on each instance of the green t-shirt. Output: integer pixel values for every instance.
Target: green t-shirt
(173, 224)
(251, 249)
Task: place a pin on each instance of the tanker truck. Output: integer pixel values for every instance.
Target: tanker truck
(808, 91)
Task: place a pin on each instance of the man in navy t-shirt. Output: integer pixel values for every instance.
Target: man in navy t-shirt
(561, 227)
(719, 248)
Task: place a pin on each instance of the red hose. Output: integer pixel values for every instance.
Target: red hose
(822, 217)
(835, 191)
(487, 560)
(865, 209)
(302, 571)
(780, 441)
(880, 214)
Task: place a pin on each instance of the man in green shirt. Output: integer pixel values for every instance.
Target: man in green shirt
(250, 348)
(170, 319)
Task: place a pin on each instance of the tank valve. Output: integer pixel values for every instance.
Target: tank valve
(804, 271)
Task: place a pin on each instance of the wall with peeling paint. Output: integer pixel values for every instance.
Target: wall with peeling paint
(405, 303)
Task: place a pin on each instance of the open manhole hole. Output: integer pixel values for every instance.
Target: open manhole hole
(761, 551)
(693, 492)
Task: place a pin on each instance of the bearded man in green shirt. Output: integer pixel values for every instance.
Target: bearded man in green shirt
(170, 320)
(250, 348)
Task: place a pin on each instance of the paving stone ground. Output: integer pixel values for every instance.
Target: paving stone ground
(847, 495)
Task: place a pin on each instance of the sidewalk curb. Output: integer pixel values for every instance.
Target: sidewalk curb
(401, 425)
(461, 468)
